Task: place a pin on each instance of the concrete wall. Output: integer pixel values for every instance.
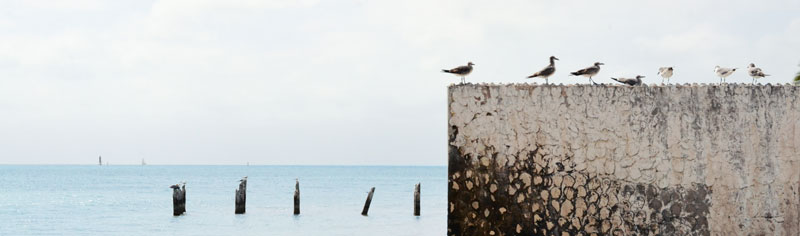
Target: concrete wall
(583, 160)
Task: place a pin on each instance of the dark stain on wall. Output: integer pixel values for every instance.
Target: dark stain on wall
(527, 197)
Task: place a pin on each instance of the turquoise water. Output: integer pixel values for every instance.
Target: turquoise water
(137, 200)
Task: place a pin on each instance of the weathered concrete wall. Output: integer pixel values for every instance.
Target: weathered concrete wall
(584, 160)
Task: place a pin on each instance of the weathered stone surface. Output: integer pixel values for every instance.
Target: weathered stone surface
(598, 160)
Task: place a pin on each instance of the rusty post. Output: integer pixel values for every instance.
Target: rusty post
(369, 200)
(178, 199)
(297, 197)
(241, 196)
(416, 199)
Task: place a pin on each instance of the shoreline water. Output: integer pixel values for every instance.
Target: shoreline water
(135, 200)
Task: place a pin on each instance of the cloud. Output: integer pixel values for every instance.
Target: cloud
(698, 39)
(326, 82)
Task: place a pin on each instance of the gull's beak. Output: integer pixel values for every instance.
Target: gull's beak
(555, 58)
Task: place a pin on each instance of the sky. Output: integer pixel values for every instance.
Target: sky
(317, 82)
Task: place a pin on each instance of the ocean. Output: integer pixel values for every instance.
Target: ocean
(137, 200)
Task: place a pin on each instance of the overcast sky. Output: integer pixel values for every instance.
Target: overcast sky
(329, 82)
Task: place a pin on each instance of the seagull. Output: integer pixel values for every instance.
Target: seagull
(547, 71)
(665, 72)
(462, 71)
(723, 72)
(755, 72)
(630, 81)
(589, 71)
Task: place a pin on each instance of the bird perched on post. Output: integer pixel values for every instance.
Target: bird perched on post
(723, 72)
(755, 72)
(462, 71)
(665, 73)
(630, 81)
(589, 71)
(547, 71)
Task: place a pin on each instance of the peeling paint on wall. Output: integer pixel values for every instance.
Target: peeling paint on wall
(583, 160)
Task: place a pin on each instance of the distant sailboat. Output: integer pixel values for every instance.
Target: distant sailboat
(100, 160)
(143, 163)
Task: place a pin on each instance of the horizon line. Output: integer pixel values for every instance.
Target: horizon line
(309, 165)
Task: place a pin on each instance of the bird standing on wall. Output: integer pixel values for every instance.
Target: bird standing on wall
(755, 72)
(630, 81)
(589, 71)
(723, 72)
(665, 73)
(547, 71)
(462, 71)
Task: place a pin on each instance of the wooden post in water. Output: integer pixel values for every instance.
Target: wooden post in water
(178, 199)
(416, 200)
(297, 197)
(369, 200)
(241, 196)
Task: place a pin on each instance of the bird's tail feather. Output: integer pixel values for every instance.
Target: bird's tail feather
(574, 73)
(615, 79)
(446, 71)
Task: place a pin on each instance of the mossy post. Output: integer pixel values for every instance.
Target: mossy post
(241, 196)
(369, 200)
(416, 199)
(297, 197)
(178, 199)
